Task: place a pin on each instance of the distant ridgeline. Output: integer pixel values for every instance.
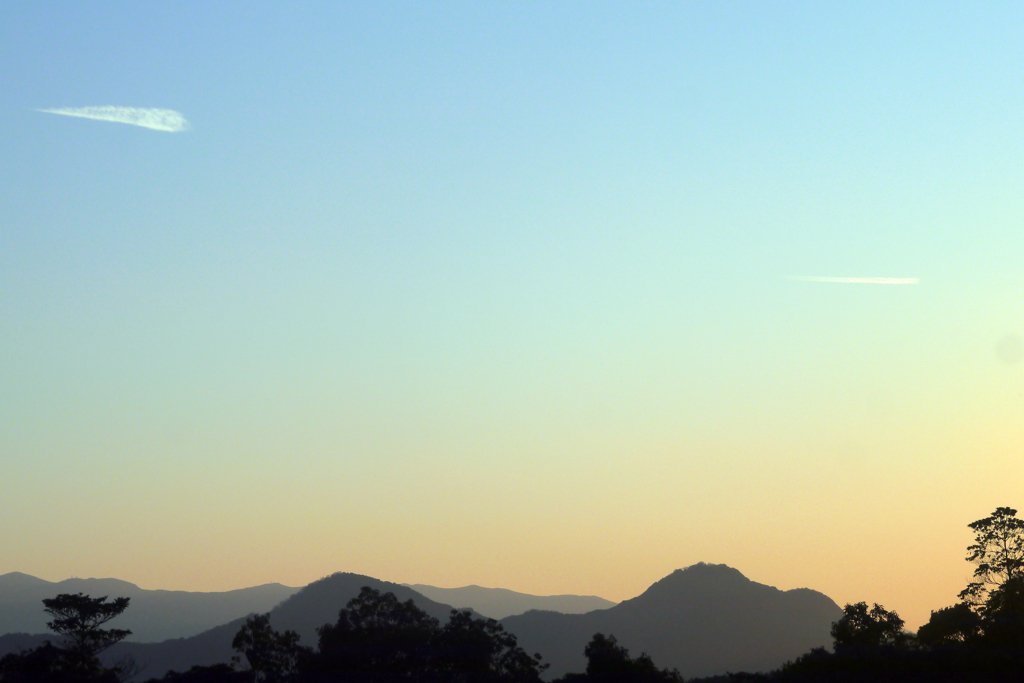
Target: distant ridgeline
(703, 620)
(158, 615)
(155, 615)
(498, 603)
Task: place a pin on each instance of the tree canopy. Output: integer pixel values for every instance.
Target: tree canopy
(378, 638)
(997, 553)
(950, 626)
(271, 655)
(609, 662)
(861, 627)
(79, 617)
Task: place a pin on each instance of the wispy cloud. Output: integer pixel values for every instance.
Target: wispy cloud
(859, 280)
(166, 120)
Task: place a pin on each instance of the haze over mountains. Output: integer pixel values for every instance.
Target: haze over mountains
(703, 620)
(305, 611)
(157, 615)
(154, 615)
(498, 603)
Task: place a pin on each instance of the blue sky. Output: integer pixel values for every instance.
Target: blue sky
(411, 263)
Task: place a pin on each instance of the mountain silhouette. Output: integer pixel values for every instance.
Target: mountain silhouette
(704, 620)
(154, 615)
(305, 611)
(498, 603)
(319, 603)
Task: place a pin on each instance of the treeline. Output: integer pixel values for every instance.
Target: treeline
(980, 638)
(378, 639)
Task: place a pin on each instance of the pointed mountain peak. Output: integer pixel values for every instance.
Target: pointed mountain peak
(704, 574)
(705, 569)
(699, 582)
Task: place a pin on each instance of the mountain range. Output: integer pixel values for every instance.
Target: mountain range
(498, 603)
(157, 615)
(703, 620)
(305, 611)
(154, 615)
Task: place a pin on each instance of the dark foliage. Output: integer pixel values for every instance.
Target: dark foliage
(950, 626)
(860, 627)
(376, 634)
(79, 617)
(378, 639)
(885, 664)
(997, 552)
(609, 662)
(1002, 619)
(271, 656)
(52, 664)
(470, 649)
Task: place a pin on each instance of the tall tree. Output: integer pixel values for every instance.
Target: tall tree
(78, 617)
(998, 555)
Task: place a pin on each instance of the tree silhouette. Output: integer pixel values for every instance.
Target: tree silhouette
(1002, 619)
(376, 635)
(79, 617)
(470, 649)
(997, 552)
(377, 638)
(51, 664)
(609, 662)
(861, 627)
(271, 655)
(950, 626)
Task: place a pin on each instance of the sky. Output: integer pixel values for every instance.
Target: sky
(556, 297)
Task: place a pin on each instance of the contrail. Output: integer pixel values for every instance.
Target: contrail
(166, 120)
(859, 280)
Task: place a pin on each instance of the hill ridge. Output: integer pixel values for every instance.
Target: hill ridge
(499, 603)
(703, 620)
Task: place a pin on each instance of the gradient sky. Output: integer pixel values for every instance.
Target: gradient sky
(507, 294)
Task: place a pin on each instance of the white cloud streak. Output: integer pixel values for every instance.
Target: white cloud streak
(859, 280)
(166, 120)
